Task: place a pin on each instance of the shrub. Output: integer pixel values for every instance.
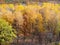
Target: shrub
(7, 33)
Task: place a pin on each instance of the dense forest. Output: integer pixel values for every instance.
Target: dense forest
(29, 22)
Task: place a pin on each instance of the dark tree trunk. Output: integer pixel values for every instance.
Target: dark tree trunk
(0, 43)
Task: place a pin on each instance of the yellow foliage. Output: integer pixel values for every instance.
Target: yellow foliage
(19, 7)
(19, 17)
(11, 6)
(48, 12)
(40, 23)
(8, 18)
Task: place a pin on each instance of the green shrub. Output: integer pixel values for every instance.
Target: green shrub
(7, 33)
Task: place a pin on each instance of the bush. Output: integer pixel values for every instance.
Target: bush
(7, 33)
